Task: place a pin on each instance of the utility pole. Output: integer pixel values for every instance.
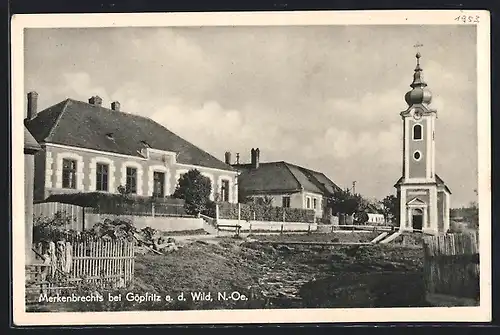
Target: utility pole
(354, 187)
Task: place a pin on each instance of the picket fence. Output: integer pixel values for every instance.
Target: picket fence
(89, 259)
(451, 269)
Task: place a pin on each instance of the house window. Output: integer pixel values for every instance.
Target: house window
(69, 173)
(315, 203)
(286, 202)
(308, 202)
(102, 177)
(225, 190)
(417, 155)
(417, 132)
(159, 184)
(131, 181)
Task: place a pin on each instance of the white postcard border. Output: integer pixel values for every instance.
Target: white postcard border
(417, 17)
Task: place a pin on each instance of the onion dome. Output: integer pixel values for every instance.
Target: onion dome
(419, 93)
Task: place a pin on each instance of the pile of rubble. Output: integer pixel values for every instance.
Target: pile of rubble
(158, 246)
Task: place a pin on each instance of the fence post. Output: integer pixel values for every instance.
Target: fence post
(217, 212)
(83, 218)
(309, 228)
(239, 213)
(254, 215)
(281, 232)
(250, 229)
(153, 209)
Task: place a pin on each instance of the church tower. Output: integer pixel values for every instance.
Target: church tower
(423, 196)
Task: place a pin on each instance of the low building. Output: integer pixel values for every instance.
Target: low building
(87, 147)
(376, 219)
(289, 185)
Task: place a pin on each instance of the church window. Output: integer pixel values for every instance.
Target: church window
(417, 132)
(417, 155)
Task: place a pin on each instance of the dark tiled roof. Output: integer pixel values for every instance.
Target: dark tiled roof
(439, 182)
(31, 146)
(282, 177)
(79, 124)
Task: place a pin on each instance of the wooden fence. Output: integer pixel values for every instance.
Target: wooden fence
(89, 259)
(74, 213)
(451, 269)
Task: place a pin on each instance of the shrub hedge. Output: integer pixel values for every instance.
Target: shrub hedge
(109, 203)
(264, 213)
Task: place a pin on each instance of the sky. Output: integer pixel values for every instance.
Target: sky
(324, 97)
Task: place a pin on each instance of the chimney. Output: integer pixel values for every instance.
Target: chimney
(95, 100)
(227, 157)
(254, 153)
(257, 158)
(115, 105)
(237, 158)
(32, 105)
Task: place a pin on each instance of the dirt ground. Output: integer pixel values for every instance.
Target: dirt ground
(279, 276)
(283, 276)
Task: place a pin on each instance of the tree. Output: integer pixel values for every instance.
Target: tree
(390, 207)
(361, 217)
(471, 215)
(244, 197)
(345, 202)
(194, 189)
(268, 201)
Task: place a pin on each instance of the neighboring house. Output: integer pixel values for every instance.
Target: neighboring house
(88, 147)
(376, 218)
(374, 215)
(31, 148)
(287, 184)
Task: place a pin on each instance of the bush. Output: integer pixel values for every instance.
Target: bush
(54, 229)
(46, 229)
(210, 209)
(120, 204)
(264, 213)
(194, 189)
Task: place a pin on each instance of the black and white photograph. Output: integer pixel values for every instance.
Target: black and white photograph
(257, 167)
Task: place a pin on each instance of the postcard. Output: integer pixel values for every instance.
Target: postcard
(251, 167)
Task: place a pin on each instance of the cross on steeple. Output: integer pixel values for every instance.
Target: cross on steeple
(418, 45)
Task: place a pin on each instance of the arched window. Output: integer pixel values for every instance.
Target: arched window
(417, 132)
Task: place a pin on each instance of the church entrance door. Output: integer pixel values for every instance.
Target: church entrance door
(417, 219)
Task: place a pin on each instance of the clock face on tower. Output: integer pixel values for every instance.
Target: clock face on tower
(417, 114)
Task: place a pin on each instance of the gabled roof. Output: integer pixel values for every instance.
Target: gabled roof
(439, 182)
(80, 124)
(416, 201)
(373, 209)
(31, 146)
(282, 177)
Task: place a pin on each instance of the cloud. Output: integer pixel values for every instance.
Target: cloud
(327, 98)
